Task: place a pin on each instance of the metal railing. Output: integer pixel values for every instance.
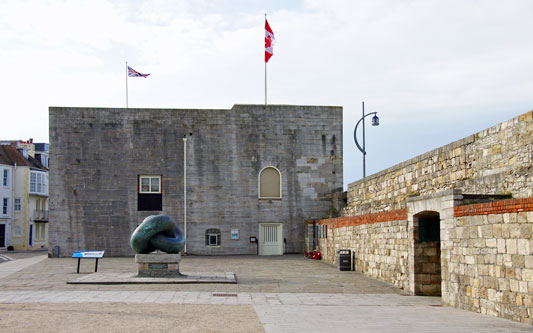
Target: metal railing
(40, 215)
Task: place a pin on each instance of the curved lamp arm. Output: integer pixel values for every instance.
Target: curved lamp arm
(355, 131)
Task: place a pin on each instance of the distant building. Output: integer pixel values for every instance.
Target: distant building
(24, 196)
(6, 199)
(251, 171)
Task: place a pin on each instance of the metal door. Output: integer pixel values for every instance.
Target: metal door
(270, 239)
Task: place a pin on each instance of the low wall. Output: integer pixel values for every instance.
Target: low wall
(482, 263)
(379, 244)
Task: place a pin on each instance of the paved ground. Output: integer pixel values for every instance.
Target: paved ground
(274, 294)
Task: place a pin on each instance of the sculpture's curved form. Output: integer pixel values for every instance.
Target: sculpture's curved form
(157, 232)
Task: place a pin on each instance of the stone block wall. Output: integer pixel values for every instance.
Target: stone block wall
(427, 269)
(496, 160)
(483, 262)
(99, 153)
(379, 244)
(489, 259)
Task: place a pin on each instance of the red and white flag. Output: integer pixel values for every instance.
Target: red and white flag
(269, 42)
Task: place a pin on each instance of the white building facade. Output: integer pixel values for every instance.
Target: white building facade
(6, 200)
(24, 198)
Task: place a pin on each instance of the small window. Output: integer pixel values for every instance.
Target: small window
(150, 184)
(212, 237)
(6, 177)
(270, 183)
(4, 206)
(18, 205)
(149, 196)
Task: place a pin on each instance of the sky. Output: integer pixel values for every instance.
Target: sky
(434, 71)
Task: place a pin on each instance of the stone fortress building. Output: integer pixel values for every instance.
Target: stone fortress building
(251, 171)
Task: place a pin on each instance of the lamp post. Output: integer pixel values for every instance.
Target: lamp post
(185, 193)
(375, 122)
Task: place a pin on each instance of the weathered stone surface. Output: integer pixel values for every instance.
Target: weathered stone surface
(99, 153)
(155, 258)
(158, 264)
(471, 164)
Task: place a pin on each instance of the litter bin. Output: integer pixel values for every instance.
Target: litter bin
(345, 260)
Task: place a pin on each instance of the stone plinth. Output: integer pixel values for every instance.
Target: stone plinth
(158, 265)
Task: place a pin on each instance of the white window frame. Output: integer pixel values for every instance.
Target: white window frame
(5, 179)
(5, 206)
(40, 231)
(38, 182)
(150, 179)
(259, 183)
(17, 205)
(213, 233)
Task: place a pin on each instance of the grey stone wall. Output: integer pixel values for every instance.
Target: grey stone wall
(98, 153)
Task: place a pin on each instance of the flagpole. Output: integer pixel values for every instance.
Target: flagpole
(265, 73)
(265, 83)
(126, 84)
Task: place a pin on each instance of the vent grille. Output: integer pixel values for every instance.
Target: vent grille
(224, 295)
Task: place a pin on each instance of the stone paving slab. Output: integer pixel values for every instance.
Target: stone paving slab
(299, 312)
(379, 318)
(129, 278)
(173, 297)
(10, 267)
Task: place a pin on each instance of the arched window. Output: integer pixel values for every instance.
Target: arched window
(270, 183)
(212, 237)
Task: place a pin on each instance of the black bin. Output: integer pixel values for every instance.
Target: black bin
(345, 260)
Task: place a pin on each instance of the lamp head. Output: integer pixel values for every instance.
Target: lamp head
(375, 120)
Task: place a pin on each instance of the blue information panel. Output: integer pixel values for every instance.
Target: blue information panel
(88, 254)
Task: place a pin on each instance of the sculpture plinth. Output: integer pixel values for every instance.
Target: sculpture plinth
(158, 264)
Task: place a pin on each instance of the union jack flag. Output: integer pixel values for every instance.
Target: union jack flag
(133, 73)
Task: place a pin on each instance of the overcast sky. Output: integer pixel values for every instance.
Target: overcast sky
(435, 71)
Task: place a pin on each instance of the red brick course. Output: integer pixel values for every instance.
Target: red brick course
(394, 215)
(496, 207)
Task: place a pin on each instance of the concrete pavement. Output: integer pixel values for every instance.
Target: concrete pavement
(9, 267)
(287, 294)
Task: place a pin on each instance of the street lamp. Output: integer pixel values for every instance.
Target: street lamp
(375, 122)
